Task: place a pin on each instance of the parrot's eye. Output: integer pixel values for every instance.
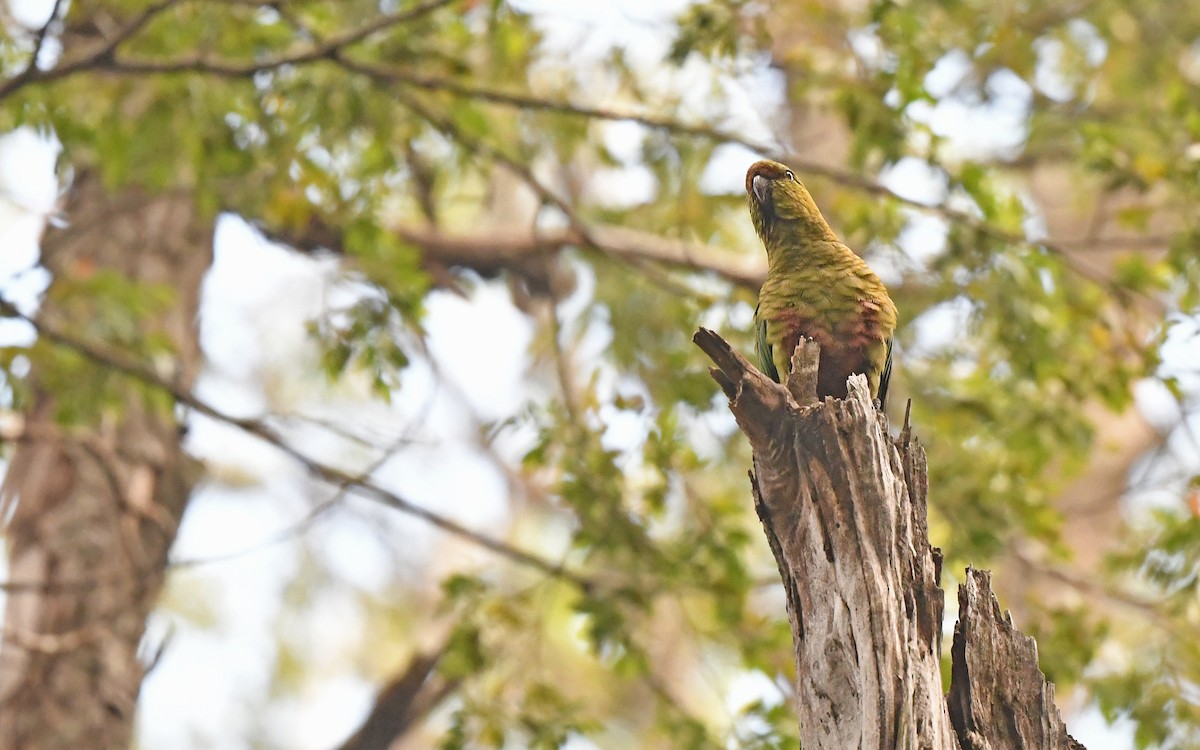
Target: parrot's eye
(789, 175)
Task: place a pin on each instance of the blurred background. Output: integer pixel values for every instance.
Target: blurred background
(441, 437)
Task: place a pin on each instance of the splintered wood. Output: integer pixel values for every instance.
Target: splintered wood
(844, 510)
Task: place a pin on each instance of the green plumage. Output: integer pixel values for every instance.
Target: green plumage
(817, 288)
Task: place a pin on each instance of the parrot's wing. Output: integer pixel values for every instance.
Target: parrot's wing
(762, 347)
(885, 376)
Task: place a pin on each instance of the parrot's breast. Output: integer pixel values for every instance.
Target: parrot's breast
(846, 348)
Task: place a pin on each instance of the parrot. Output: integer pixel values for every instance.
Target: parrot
(816, 287)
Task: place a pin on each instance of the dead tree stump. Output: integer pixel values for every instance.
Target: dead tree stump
(844, 511)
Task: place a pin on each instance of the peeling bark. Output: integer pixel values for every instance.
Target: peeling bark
(844, 510)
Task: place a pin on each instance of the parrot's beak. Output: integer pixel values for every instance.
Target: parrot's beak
(761, 187)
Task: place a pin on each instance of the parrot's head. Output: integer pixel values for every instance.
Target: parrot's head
(779, 201)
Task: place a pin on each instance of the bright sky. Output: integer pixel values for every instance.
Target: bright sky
(255, 302)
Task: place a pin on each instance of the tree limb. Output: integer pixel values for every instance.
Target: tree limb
(105, 59)
(401, 703)
(122, 363)
(492, 252)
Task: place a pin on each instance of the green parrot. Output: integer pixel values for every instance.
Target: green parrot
(816, 287)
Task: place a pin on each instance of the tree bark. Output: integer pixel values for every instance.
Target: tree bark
(998, 697)
(98, 482)
(844, 511)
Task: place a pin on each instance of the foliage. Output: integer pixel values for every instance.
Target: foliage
(379, 130)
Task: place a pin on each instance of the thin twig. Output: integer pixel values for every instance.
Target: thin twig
(119, 362)
(481, 147)
(40, 39)
(104, 57)
(333, 50)
(295, 529)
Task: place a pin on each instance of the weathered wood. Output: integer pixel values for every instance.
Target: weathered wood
(998, 696)
(844, 510)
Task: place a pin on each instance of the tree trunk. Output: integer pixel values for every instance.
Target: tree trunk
(98, 481)
(844, 510)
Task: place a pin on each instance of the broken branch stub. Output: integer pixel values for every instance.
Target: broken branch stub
(844, 510)
(998, 696)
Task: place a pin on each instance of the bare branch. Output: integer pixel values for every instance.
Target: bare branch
(331, 49)
(120, 362)
(403, 701)
(451, 130)
(104, 57)
(295, 529)
(493, 252)
(843, 177)
(39, 39)
(334, 49)
(96, 59)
